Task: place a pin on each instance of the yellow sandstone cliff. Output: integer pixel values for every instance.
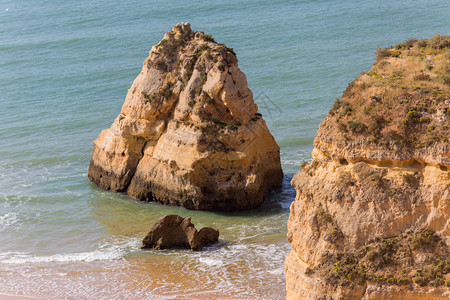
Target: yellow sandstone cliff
(371, 219)
(189, 133)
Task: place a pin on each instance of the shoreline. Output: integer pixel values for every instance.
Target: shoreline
(6, 296)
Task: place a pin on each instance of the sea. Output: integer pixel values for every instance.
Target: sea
(65, 67)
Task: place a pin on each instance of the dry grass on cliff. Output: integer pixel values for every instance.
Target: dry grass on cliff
(404, 100)
(413, 258)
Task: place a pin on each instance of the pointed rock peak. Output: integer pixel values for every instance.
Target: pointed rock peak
(182, 28)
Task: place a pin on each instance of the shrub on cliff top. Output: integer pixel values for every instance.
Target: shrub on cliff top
(439, 42)
(382, 53)
(170, 45)
(207, 38)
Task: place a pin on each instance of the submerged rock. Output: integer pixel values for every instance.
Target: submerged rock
(189, 133)
(173, 231)
(371, 219)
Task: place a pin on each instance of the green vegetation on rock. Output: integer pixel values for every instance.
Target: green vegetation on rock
(420, 257)
(402, 98)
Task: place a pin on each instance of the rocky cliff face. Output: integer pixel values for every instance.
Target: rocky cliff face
(371, 219)
(189, 133)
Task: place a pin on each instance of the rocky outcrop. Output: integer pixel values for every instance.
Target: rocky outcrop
(371, 219)
(173, 231)
(189, 133)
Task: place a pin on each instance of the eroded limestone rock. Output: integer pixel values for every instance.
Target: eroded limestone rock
(371, 219)
(173, 231)
(189, 133)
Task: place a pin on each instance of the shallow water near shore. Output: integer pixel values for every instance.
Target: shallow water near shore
(102, 259)
(64, 72)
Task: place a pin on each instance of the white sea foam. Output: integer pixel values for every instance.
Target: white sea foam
(112, 253)
(211, 261)
(276, 272)
(294, 162)
(8, 219)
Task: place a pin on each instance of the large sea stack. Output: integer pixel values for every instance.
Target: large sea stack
(371, 219)
(189, 133)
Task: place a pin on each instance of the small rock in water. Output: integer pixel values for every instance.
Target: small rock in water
(173, 231)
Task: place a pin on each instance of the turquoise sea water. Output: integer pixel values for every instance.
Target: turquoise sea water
(65, 68)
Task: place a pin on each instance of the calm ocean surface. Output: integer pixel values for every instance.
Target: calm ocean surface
(65, 67)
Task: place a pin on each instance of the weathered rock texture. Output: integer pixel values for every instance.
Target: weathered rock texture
(371, 219)
(189, 133)
(173, 231)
